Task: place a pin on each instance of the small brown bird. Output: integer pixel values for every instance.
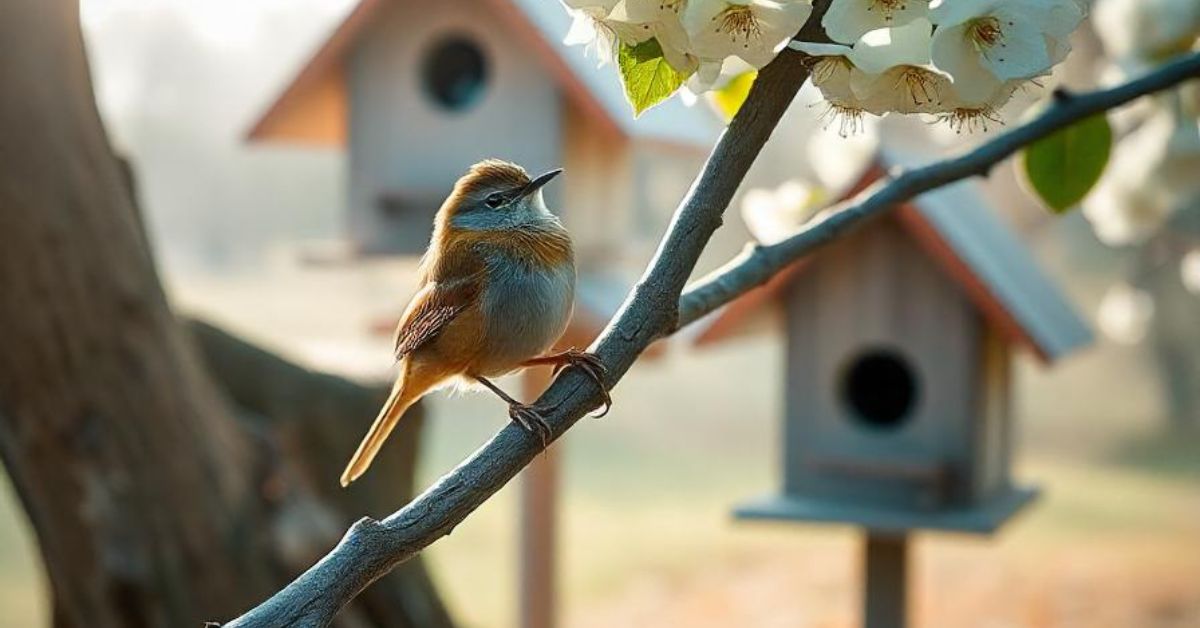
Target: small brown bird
(496, 291)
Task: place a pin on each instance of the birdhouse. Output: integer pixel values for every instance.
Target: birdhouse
(415, 92)
(899, 338)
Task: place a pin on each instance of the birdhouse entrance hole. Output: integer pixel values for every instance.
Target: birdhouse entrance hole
(880, 388)
(454, 73)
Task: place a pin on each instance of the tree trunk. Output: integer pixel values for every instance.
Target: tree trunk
(307, 412)
(1175, 329)
(152, 506)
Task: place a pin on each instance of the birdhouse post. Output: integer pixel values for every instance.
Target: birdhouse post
(897, 381)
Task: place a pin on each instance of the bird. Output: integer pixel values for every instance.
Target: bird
(496, 289)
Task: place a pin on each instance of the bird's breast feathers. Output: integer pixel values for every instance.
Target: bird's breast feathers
(528, 296)
(526, 281)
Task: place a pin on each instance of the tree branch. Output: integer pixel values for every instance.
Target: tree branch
(653, 308)
(758, 263)
(372, 548)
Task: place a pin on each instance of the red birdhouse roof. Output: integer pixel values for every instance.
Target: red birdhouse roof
(966, 237)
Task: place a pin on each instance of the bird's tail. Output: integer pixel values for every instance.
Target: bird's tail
(398, 401)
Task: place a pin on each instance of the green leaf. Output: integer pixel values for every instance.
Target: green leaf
(729, 98)
(647, 76)
(1062, 168)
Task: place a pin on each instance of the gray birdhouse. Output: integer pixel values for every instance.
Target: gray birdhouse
(414, 92)
(898, 411)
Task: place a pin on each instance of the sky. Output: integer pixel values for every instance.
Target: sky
(179, 82)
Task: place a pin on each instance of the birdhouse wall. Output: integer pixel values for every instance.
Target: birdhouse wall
(884, 378)
(598, 192)
(407, 147)
(994, 429)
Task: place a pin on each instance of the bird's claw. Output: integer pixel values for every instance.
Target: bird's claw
(593, 368)
(530, 419)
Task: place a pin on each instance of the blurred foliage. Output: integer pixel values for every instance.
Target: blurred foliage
(729, 98)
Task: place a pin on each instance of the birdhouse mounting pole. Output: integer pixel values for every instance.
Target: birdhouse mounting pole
(538, 527)
(885, 602)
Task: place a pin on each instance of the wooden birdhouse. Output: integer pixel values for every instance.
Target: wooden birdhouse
(899, 338)
(415, 92)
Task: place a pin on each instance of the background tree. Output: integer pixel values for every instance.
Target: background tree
(1147, 206)
(152, 504)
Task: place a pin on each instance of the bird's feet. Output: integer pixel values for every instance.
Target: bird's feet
(586, 362)
(529, 417)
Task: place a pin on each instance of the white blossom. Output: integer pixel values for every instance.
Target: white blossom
(773, 215)
(982, 43)
(832, 72)
(753, 30)
(1125, 313)
(1189, 99)
(713, 74)
(1189, 271)
(893, 72)
(1152, 175)
(978, 114)
(1147, 29)
(593, 26)
(830, 69)
(654, 10)
(848, 20)
(663, 20)
(596, 7)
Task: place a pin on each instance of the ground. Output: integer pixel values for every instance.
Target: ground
(647, 537)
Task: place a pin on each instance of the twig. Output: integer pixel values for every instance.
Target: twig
(758, 263)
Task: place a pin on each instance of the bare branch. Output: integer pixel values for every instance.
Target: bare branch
(372, 548)
(758, 263)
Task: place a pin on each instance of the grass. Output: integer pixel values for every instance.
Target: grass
(647, 539)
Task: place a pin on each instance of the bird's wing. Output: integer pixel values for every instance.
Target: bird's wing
(433, 307)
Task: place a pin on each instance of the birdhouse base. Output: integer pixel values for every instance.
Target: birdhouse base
(983, 518)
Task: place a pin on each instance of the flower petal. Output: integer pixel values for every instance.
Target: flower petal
(884, 48)
(754, 30)
(1020, 53)
(953, 53)
(847, 20)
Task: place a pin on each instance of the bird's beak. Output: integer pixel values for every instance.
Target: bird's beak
(536, 184)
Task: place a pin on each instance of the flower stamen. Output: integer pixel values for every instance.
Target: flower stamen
(739, 22)
(848, 118)
(971, 119)
(919, 84)
(985, 33)
(888, 8)
(674, 6)
(827, 68)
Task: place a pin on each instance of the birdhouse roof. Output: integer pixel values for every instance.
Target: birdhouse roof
(967, 238)
(312, 107)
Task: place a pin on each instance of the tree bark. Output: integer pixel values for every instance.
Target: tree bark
(151, 504)
(307, 412)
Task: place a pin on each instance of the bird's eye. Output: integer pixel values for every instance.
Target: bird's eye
(494, 200)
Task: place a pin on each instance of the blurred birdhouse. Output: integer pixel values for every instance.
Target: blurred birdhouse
(899, 339)
(415, 92)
